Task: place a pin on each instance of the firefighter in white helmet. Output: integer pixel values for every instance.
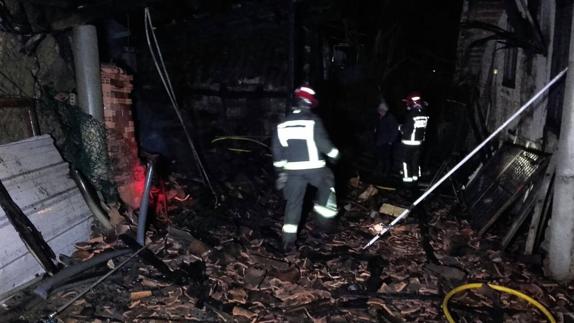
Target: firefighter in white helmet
(300, 149)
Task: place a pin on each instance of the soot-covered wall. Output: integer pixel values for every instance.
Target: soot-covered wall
(229, 72)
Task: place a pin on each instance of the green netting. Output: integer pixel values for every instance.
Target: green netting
(82, 141)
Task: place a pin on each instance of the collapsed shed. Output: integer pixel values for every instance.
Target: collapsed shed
(203, 212)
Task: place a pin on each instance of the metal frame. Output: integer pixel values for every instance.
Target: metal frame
(30, 106)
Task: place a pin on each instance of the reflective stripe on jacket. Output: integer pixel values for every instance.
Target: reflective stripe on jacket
(300, 142)
(414, 129)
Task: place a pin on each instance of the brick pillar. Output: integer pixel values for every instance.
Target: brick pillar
(127, 171)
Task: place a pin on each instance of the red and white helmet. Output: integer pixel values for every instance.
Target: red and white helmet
(414, 100)
(305, 96)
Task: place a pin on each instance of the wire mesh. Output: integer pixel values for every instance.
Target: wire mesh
(81, 140)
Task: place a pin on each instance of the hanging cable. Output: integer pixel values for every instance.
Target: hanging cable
(164, 76)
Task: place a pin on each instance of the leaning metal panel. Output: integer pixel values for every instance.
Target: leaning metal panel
(500, 182)
(38, 180)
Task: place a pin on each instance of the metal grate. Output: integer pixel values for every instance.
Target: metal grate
(500, 182)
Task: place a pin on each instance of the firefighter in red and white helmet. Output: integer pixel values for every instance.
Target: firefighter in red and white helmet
(300, 149)
(412, 137)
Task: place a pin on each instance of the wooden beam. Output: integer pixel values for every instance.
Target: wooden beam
(524, 212)
(30, 236)
(539, 208)
(16, 102)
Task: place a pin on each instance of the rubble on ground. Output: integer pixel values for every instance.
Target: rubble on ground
(237, 272)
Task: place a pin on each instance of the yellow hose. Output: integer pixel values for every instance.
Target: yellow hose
(240, 138)
(499, 288)
(386, 188)
(239, 150)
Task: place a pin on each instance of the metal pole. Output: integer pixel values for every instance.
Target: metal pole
(465, 159)
(87, 66)
(93, 205)
(142, 216)
(96, 283)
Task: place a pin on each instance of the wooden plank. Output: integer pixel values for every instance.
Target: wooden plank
(16, 103)
(522, 215)
(541, 200)
(546, 213)
(499, 212)
(27, 232)
(536, 187)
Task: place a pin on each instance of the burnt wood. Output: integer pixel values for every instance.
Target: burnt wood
(30, 236)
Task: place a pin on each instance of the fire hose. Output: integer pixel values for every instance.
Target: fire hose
(406, 212)
(499, 288)
(240, 138)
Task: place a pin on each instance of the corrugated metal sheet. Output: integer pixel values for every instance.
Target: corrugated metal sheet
(38, 180)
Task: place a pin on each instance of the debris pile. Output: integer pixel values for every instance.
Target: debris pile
(234, 271)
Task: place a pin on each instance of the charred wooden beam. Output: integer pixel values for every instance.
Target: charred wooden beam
(16, 102)
(30, 236)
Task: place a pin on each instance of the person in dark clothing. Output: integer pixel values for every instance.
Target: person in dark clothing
(386, 133)
(300, 144)
(412, 136)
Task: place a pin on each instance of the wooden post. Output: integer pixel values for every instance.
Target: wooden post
(291, 64)
(561, 226)
(539, 207)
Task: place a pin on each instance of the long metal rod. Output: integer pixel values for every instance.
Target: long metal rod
(142, 216)
(88, 196)
(406, 212)
(96, 283)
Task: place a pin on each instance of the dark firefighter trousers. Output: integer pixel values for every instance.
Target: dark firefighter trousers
(410, 168)
(294, 192)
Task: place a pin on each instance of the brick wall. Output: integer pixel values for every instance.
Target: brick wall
(127, 170)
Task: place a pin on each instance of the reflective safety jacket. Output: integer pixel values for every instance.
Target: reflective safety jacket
(301, 142)
(414, 128)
